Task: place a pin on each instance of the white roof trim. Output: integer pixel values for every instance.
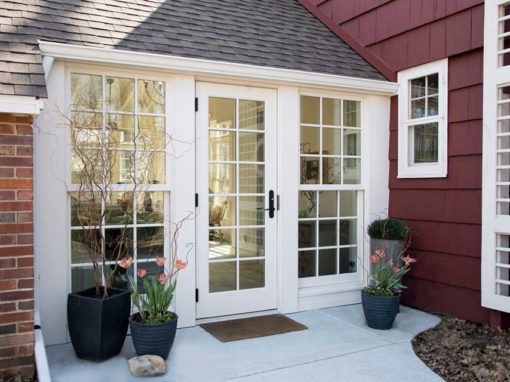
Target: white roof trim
(212, 68)
(15, 104)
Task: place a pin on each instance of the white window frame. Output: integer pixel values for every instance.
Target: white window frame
(423, 170)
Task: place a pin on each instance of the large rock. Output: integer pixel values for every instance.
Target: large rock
(147, 366)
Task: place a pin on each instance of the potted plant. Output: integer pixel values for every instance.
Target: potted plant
(389, 235)
(381, 299)
(153, 326)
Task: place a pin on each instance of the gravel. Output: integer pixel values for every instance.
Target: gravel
(463, 351)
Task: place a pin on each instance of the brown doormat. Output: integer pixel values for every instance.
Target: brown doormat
(253, 327)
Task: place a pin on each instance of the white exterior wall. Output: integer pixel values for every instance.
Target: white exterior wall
(52, 168)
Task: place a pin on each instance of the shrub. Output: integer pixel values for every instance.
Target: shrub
(388, 229)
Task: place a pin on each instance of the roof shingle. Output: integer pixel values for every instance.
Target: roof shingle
(275, 33)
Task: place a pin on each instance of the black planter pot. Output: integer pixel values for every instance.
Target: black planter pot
(155, 339)
(98, 327)
(380, 312)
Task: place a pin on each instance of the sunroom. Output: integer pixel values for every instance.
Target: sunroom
(273, 152)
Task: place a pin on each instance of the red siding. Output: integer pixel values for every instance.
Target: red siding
(444, 214)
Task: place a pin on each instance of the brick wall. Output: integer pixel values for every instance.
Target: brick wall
(16, 247)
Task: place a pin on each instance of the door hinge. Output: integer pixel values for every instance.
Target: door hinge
(196, 200)
(196, 103)
(196, 295)
(277, 202)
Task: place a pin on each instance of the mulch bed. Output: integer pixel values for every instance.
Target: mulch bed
(463, 351)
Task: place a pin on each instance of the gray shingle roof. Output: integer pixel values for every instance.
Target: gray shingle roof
(276, 33)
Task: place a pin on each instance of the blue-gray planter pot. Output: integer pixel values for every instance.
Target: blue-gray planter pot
(154, 339)
(380, 312)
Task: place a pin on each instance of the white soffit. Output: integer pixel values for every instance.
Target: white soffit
(213, 68)
(14, 104)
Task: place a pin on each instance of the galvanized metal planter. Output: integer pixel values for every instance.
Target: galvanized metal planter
(380, 312)
(154, 339)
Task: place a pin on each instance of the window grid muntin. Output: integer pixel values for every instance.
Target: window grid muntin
(164, 187)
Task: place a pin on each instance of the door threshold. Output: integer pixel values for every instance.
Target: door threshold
(208, 320)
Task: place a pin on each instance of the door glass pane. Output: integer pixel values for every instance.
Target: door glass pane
(251, 115)
(310, 110)
(251, 210)
(222, 243)
(309, 140)
(150, 242)
(222, 145)
(306, 264)
(328, 204)
(307, 234)
(348, 260)
(327, 233)
(222, 113)
(348, 232)
(327, 262)
(251, 274)
(251, 178)
(251, 147)
(85, 244)
(222, 276)
(222, 211)
(331, 141)
(307, 204)
(82, 278)
(251, 242)
(222, 178)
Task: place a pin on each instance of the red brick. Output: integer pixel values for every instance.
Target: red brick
(7, 263)
(7, 129)
(26, 349)
(16, 140)
(7, 195)
(24, 262)
(7, 239)
(26, 305)
(24, 130)
(25, 284)
(18, 339)
(7, 150)
(24, 217)
(6, 173)
(24, 151)
(7, 285)
(7, 218)
(18, 361)
(8, 352)
(24, 195)
(16, 206)
(13, 118)
(25, 239)
(17, 251)
(16, 184)
(16, 228)
(17, 273)
(15, 317)
(7, 307)
(23, 172)
(16, 295)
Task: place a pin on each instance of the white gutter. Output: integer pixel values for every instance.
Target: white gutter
(20, 104)
(41, 361)
(212, 68)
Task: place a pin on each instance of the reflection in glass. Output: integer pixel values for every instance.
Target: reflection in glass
(331, 141)
(251, 115)
(222, 178)
(85, 244)
(222, 243)
(151, 167)
(87, 128)
(119, 278)
(82, 278)
(251, 147)
(92, 158)
(307, 234)
(331, 109)
(310, 110)
(425, 143)
(309, 140)
(85, 209)
(433, 106)
(151, 132)
(222, 113)
(221, 211)
(352, 113)
(150, 242)
(251, 242)
(222, 145)
(251, 274)
(120, 94)
(332, 171)
(328, 204)
(418, 108)
(152, 270)
(119, 208)
(118, 243)
(86, 91)
(348, 232)
(151, 97)
(306, 264)
(251, 178)
(222, 276)
(251, 210)
(149, 207)
(417, 87)
(121, 130)
(327, 262)
(309, 170)
(432, 84)
(307, 204)
(352, 142)
(348, 203)
(348, 260)
(123, 168)
(327, 233)
(352, 171)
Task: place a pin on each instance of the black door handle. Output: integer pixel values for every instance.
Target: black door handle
(271, 205)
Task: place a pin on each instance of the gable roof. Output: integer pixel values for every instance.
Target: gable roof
(273, 33)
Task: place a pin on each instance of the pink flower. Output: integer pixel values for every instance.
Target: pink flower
(380, 253)
(395, 269)
(374, 259)
(408, 260)
(160, 261)
(126, 263)
(141, 273)
(390, 263)
(162, 278)
(180, 264)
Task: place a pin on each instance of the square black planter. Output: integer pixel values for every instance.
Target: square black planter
(97, 326)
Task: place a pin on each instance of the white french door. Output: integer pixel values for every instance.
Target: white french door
(236, 185)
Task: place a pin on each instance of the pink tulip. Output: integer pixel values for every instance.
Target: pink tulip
(179, 264)
(126, 263)
(395, 269)
(141, 273)
(408, 260)
(162, 278)
(160, 261)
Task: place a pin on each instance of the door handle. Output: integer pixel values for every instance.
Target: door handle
(271, 205)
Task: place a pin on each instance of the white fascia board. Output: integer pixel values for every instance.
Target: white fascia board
(213, 68)
(14, 104)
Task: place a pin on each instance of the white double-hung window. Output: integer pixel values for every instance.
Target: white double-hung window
(422, 129)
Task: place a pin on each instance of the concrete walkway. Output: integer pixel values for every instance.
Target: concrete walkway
(338, 346)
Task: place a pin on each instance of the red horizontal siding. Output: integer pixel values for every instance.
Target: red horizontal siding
(444, 214)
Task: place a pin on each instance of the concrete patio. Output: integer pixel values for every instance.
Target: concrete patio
(337, 346)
